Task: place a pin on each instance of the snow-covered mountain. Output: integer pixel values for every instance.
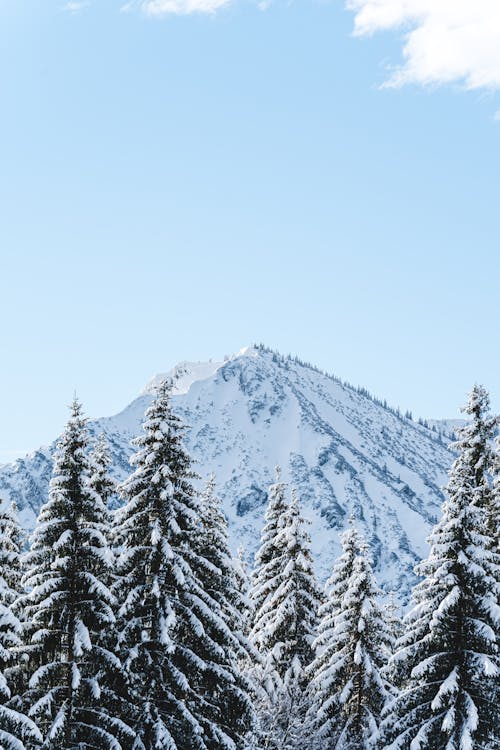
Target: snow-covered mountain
(344, 451)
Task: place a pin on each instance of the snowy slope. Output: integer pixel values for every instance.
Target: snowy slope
(343, 451)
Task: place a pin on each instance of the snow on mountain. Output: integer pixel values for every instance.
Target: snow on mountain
(184, 375)
(446, 426)
(344, 451)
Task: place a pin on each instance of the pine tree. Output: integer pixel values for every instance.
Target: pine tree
(394, 620)
(285, 630)
(267, 557)
(493, 519)
(287, 620)
(243, 584)
(69, 607)
(173, 633)
(105, 488)
(264, 582)
(328, 643)
(10, 553)
(447, 661)
(348, 689)
(478, 436)
(11, 574)
(100, 479)
(119, 700)
(223, 683)
(15, 728)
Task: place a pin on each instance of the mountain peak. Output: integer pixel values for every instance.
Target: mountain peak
(185, 373)
(343, 450)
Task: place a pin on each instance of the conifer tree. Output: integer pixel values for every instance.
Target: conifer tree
(223, 684)
(329, 641)
(394, 620)
(477, 435)
(15, 728)
(105, 487)
(264, 582)
(287, 620)
(69, 607)
(348, 689)
(100, 479)
(447, 660)
(221, 581)
(285, 630)
(10, 553)
(493, 519)
(173, 634)
(11, 574)
(243, 584)
(267, 558)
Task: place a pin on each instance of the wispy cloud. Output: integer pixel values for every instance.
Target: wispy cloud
(75, 6)
(161, 8)
(444, 41)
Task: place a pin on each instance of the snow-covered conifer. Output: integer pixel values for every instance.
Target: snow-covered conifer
(222, 683)
(394, 620)
(105, 487)
(100, 479)
(11, 573)
(10, 553)
(326, 644)
(286, 622)
(267, 557)
(171, 628)
(244, 585)
(348, 690)
(475, 440)
(15, 728)
(284, 631)
(493, 518)
(69, 607)
(447, 660)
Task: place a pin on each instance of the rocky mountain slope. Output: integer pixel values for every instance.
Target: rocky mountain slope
(344, 451)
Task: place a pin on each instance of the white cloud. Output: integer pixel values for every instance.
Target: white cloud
(76, 6)
(159, 8)
(445, 41)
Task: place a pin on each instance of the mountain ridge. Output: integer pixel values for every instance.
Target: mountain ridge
(344, 450)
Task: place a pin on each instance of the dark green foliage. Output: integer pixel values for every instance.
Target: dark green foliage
(69, 608)
(447, 660)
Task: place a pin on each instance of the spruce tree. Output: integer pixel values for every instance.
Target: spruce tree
(447, 660)
(348, 689)
(267, 557)
(477, 435)
(16, 730)
(11, 588)
(100, 478)
(264, 582)
(104, 486)
(493, 518)
(243, 584)
(11, 548)
(173, 632)
(286, 621)
(394, 620)
(223, 684)
(69, 607)
(285, 631)
(323, 710)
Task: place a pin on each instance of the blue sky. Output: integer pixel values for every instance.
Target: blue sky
(177, 185)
